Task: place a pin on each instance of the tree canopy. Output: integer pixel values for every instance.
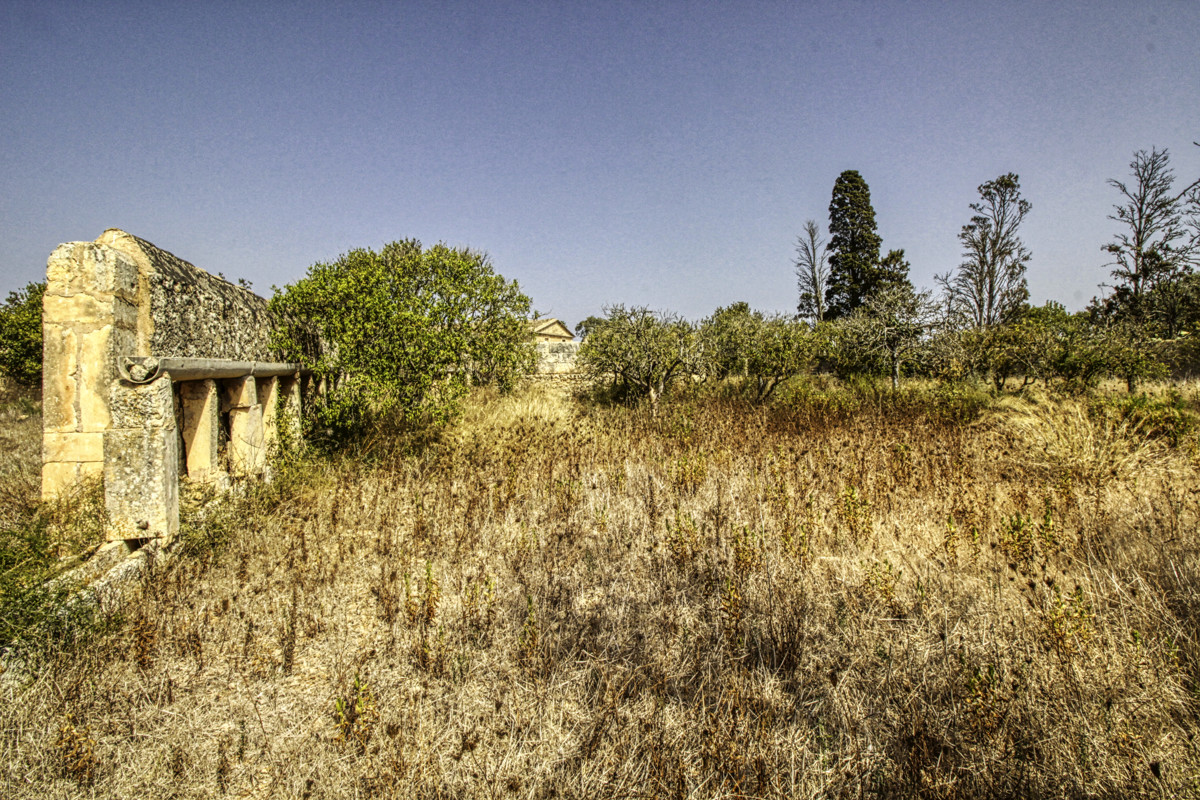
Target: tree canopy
(640, 350)
(990, 285)
(1157, 245)
(21, 334)
(854, 246)
(407, 330)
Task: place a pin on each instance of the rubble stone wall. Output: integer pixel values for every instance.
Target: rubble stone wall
(185, 312)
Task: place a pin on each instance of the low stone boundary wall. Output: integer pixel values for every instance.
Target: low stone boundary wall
(154, 370)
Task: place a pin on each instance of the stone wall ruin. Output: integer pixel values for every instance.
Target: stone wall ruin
(556, 358)
(154, 370)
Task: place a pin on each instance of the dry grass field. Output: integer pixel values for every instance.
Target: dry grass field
(852, 592)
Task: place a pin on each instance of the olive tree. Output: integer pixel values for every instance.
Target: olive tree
(780, 348)
(890, 327)
(406, 330)
(726, 339)
(641, 351)
(767, 349)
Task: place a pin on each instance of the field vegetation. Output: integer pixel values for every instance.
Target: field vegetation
(899, 545)
(851, 591)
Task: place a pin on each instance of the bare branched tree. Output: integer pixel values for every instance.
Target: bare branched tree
(989, 287)
(812, 272)
(1156, 246)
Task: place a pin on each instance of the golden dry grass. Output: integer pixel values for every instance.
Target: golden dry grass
(843, 595)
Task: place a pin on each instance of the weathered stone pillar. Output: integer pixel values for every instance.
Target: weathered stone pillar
(247, 455)
(141, 461)
(201, 429)
(89, 319)
(268, 398)
(288, 425)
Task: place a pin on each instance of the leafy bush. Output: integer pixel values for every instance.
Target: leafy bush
(21, 334)
(1169, 418)
(406, 330)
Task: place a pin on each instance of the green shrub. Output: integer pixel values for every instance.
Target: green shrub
(642, 352)
(406, 331)
(37, 614)
(21, 335)
(1169, 418)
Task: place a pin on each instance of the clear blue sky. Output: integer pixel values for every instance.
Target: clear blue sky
(657, 153)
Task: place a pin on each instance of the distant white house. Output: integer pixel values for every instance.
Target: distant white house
(549, 329)
(556, 346)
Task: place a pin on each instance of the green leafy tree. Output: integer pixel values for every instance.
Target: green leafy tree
(726, 337)
(780, 348)
(996, 353)
(854, 246)
(1053, 345)
(641, 351)
(1036, 343)
(1132, 354)
(588, 326)
(406, 330)
(990, 286)
(21, 334)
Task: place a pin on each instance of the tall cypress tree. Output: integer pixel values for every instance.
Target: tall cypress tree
(854, 245)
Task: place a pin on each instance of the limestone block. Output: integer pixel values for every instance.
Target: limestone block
(59, 363)
(125, 316)
(78, 308)
(112, 272)
(57, 476)
(141, 461)
(97, 368)
(201, 428)
(61, 267)
(148, 406)
(247, 452)
(91, 269)
(72, 446)
(141, 483)
(239, 393)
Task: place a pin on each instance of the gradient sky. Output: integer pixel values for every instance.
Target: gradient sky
(651, 153)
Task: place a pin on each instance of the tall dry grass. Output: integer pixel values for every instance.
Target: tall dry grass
(847, 594)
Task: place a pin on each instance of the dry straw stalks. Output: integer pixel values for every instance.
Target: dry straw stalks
(845, 594)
